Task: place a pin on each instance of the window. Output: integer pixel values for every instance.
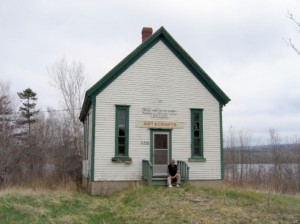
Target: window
(121, 134)
(197, 135)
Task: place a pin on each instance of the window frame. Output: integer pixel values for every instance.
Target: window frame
(122, 157)
(194, 157)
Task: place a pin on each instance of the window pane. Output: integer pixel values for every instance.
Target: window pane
(196, 142)
(121, 140)
(196, 151)
(122, 130)
(160, 141)
(196, 126)
(196, 117)
(121, 150)
(122, 115)
(160, 157)
(196, 134)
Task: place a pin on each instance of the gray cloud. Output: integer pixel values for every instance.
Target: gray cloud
(240, 44)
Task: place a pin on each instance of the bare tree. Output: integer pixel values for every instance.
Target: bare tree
(56, 136)
(70, 80)
(245, 141)
(9, 154)
(274, 167)
(231, 154)
(289, 40)
(296, 151)
(238, 154)
(61, 152)
(275, 144)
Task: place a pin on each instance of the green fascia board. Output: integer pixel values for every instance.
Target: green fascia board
(85, 107)
(182, 55)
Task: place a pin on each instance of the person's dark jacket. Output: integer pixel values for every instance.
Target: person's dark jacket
(172, 170)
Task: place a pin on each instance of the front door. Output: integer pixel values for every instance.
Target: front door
(160, 152)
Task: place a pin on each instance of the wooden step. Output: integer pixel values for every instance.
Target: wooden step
(162, 181)
(159, 181)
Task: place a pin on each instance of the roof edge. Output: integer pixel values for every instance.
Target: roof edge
(183, 56)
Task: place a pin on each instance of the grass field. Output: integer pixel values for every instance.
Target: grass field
(148, 205)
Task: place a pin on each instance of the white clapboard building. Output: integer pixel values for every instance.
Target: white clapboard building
(157, 104)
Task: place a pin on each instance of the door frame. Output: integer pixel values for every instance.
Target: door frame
(152, 131)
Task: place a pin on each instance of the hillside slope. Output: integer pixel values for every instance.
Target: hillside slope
(148, 205)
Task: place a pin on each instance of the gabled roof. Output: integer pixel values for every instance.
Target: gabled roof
(181, 54)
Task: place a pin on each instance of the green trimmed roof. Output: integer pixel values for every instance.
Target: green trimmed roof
(181, 54)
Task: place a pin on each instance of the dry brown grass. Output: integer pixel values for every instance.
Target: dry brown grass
(139, 204)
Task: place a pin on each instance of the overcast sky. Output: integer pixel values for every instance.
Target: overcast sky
(240, 44)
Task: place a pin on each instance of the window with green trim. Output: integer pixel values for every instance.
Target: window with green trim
(197, 134)
(121, 131)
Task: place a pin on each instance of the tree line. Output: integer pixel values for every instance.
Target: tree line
(38, 144)
(273, 167)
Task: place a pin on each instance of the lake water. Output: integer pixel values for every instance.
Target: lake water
(262, 170)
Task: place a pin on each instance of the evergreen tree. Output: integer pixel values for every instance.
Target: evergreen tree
(28, 112)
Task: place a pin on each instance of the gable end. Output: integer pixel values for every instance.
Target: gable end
(180, 53)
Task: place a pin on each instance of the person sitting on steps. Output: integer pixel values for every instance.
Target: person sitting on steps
(173, 175)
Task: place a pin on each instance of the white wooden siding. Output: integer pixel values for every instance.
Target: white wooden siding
(157, 80)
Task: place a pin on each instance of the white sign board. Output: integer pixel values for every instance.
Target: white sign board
(159, 112)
